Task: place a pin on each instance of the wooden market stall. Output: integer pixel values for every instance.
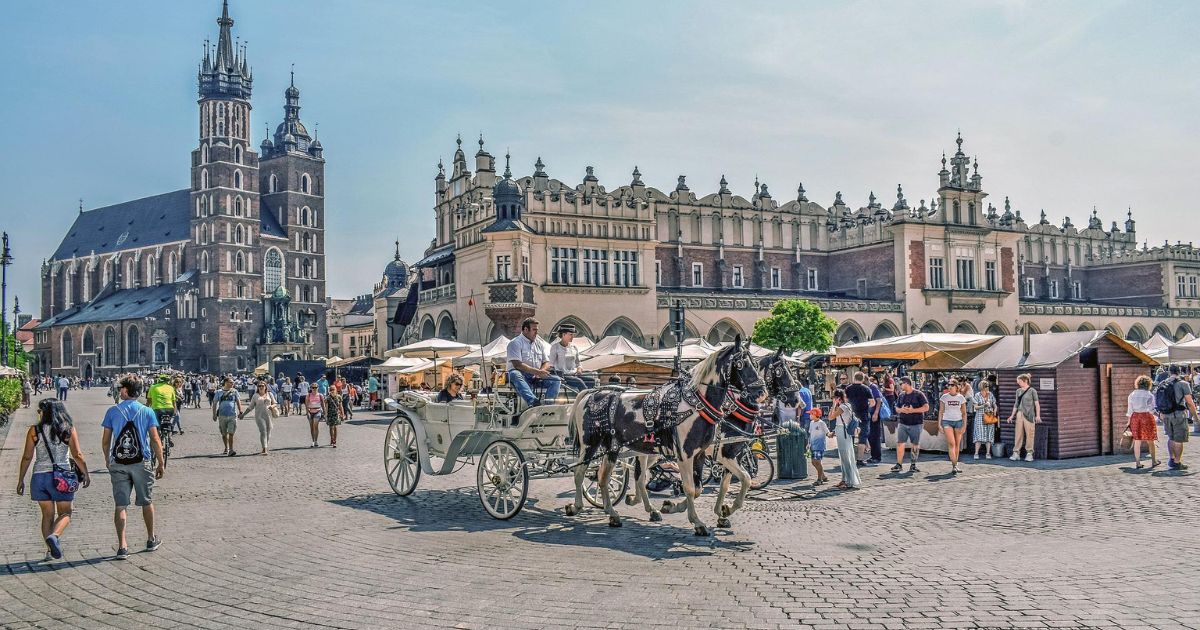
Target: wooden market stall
(1082, 380)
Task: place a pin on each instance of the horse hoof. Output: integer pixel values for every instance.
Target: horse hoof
(723, 522)
(655, 517)
(725, 512)
(701, 530)
(667, 505)
(630, 499)
(614, 522)
(569, 510)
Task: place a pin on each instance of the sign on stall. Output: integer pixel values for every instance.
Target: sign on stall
(1046, 385)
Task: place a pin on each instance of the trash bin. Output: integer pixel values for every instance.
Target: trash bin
(792, 450)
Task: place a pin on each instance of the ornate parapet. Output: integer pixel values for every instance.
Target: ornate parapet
(1085, 310)
(766, 303)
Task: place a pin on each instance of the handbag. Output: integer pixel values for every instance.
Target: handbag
(65, 479)
(885, 411)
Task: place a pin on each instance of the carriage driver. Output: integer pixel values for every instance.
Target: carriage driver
(529, 364)
(564, 360)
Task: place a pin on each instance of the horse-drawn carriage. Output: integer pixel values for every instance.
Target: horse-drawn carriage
(507, 446)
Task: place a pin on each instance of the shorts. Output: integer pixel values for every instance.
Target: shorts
(818, 454)
(227, 425)
(41, 488)
(295, 398)
(953, 424)
(1175, 425)
(909, 433)
(138, 478)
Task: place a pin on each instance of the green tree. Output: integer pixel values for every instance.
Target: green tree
(16, 353)
(795, 325)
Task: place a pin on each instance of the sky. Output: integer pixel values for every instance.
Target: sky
(1067, 105)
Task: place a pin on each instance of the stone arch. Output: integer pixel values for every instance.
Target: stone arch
(1085, 326)
(966, 328)
(932, 326)
(1162, 329)
(1034, 329)
(849, 332)
(724, 330)
(89, 343)
(445, 327)
(1137, 333)
(581, 329)
(885, 330)
(996, 328)
(1115, 329)
(428, 329)
(666, 339)
(1183, 331)
(624, 327)
(1059, 327)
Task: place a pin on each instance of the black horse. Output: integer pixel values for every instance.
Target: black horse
(679, 419)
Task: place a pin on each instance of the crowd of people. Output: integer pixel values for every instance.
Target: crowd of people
(141, 417)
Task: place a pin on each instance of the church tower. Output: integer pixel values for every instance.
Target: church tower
(224, 210)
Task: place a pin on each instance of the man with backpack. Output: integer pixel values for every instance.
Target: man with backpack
(1173, 401)
(129, 460)
(227, 408)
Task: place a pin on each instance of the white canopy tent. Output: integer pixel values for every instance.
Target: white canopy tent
(395, 364)
(1185, 352)
(917, 346)
(613, 344)
(1157, 342)
(430, 348)
(496, 350)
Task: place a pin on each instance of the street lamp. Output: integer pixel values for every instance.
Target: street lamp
(5, 260)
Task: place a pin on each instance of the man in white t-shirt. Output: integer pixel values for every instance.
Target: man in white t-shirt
(564, 360)
(529, 364)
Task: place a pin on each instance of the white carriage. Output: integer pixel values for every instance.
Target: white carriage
(506, 447)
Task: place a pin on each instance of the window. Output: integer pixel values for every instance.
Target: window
(132, 346)
(204, 154)
(595, 267)
(989, 275)
(240, 265)
(1191, 286)
(1030, 288)
(564, 265)
(524, 268)
(272, 183)
(237, 180)
(625, 268)
(812, 279)
(237, 154)
(965, 273)
(204, 262)
(333, 337)
(203, 337)
(657, 273)
(860, 288)
(306, 268)
(697, 274)
(247, 316)
(957, 212)
(110, 346)
(241, 288)
(937, 273)
(304, 215)
(738, 280)
(304, 183)
(1180, 286)
(68, 348)
(240, 338)
(272, 271)
(1054, 289)
(237, 206)
(1076, 291)
(233, 315)
(503, 267)
(239, 234)
(776, 278)
(203, 179)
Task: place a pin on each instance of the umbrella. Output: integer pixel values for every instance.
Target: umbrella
(430, 348)
(496, 350)
(395, 364)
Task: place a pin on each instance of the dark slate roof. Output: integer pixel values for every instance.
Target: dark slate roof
(139, 223)
(363, 305)
(269, 225)
(438, 257)
(507, 225)
(123, 304)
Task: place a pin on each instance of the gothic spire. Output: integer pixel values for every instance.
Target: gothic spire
(507, 171)
(225, 55)
(226, 74)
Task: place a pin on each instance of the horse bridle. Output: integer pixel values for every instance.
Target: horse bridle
(774, 376)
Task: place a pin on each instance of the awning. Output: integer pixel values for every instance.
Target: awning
(918, 346)
(497, 350)
(430, 348)
(438, 257)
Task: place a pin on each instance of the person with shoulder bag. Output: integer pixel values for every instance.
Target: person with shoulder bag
(986, 418)
(262, 403)
(1027, 413)
(52, 445)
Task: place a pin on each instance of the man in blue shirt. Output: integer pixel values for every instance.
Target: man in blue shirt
(323, 385)
(807, 401)
(136, 477)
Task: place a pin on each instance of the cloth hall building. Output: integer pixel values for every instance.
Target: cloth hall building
(216, 277)
(610, 260)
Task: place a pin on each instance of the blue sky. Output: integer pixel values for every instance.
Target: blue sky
(1066, 104)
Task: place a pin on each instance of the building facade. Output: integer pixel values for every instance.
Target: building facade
(218, 277)
(611, 261)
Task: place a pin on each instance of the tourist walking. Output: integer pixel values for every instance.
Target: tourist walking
(846, 429)
(951, 418)
(1176, 405)
(334, 414)
(861, 402)
(1027, 413)
(987, 416)
(875, 427)
(227, 406)
(260, 403)
(128, 444)
(911, 407)
(26, 392)
(285, 396)
(63, 385)
(818, 432)
(1142, 427)
(52, 445)
(314, 405)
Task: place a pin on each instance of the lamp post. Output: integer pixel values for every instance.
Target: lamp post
(5, 260)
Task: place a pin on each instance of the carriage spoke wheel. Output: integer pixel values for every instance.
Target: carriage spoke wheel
(618, 480)
(502, 479)
(400, 456)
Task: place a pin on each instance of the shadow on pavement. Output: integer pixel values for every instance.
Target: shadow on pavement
(37, 566)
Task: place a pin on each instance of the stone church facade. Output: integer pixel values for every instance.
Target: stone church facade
(218, 277)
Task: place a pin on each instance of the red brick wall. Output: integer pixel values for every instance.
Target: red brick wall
(1135, 285)
(876, 264)
(916, 265)
(1008, 270)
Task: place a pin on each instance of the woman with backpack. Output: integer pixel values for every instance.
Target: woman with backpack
(53, 445)
(314, 404)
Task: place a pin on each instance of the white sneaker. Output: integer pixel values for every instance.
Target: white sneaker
(1015, 457)
(989, 455)
(976, 455)
(1029, 457)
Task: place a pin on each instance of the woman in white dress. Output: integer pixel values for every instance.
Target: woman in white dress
(845, 429)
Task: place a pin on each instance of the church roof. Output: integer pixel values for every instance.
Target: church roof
(269, 225)
(123, 304)
(139, 223)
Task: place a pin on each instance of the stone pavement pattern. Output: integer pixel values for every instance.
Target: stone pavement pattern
(314, 538)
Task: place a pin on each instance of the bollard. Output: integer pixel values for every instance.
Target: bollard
(792, 451)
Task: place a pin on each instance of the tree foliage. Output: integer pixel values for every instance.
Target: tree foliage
(795, 325)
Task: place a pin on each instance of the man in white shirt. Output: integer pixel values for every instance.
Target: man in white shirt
(564, 360)
(529, 364)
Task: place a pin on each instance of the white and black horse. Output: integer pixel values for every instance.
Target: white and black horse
(738, 428)
(679, 419)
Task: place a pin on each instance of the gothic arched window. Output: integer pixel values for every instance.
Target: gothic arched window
(241, 338)
(240, 264)
(204, 262)
(237, 206)
(203, 179)
(304, 183)
(110, 346)
(237, 154)
(68, 348)
(239, 235)
(273, 184)
(304, 215)
(132, 346)
(237, 180)
(272, 270)
(241, 289)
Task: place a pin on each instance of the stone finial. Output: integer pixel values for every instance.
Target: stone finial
(1043, 221)
(637, 177)
(539, 168)
(763, 192)
(800, 194)
(682, 185)
(837, 199)
(724, 189)
(871, 200)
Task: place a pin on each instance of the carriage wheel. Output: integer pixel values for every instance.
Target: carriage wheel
(502, 479)
(759, 465)
(400, 456)
(617, 482)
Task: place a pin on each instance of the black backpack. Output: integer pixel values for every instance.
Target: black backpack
(128, 447)
(1164, 396)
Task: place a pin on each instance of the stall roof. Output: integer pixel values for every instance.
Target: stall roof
(613, 344)
(1046, 350)
(918, 346)
(1156, 343)
(497, 349)
(1184, 352)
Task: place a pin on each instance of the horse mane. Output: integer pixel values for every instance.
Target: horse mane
(706, 366)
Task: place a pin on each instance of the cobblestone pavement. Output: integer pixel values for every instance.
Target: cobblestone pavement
(314, 538)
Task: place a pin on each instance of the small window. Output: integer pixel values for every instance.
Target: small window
(304, 183)
(273, 184)
(812, 279)
(1054, 289)
(204, 154)
(937, 273)
(776, 278)
(237, 180)
(697, 274)
(1076, 291)
(237, 206)
(989, 273)
(657, 272)
(738, 279)
(203, 179)
(1181, 286)
(241, 258)
(1030, 288)
(237, 154)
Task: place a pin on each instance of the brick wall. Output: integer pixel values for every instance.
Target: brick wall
(1008, 270)
(916, 265)
(875, 264)
(1135, 285)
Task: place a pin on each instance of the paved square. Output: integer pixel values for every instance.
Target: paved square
(314, 538)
